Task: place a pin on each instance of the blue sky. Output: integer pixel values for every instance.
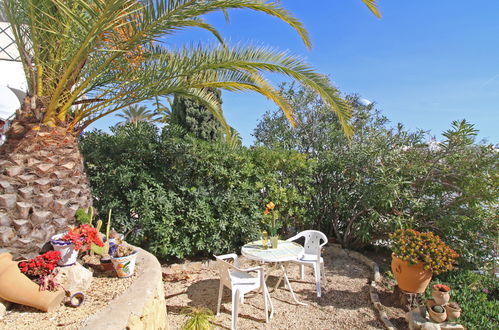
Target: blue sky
(424, 63)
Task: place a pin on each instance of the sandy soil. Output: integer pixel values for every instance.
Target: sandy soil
(344, 303)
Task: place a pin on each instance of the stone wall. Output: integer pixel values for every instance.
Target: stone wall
(141, 306)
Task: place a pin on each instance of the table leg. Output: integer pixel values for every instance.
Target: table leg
(286, 280)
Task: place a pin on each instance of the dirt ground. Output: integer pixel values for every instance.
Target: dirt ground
(344, 303)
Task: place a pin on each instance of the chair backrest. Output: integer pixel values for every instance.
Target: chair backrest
(224, 269)
(313, 241)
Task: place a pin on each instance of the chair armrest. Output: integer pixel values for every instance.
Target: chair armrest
(252, 269)
(294, 238)
(259, 270)
(229, 256)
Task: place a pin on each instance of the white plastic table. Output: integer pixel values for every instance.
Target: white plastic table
(280, 257)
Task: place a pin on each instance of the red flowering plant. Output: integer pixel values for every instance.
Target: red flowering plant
(415, 247)
(41, 269)
(82, 237)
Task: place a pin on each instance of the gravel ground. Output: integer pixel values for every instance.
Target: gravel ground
(104, 288)
(344, 303)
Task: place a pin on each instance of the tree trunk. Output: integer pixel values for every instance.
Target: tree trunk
(42, 184)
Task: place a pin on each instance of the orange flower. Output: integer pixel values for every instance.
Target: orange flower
(266, 211)
(270, 205)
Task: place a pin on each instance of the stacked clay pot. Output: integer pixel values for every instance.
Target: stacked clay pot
(445, 310)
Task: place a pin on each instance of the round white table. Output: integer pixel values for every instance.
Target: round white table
(280, 257)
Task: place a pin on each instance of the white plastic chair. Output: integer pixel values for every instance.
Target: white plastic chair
(312, 256)
(240, 282)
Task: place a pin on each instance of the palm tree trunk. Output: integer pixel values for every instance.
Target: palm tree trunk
(42, 184)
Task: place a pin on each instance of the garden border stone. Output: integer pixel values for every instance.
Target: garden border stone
(141, 306)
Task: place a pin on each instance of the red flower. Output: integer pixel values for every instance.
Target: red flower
(40, 266)
(83, 236)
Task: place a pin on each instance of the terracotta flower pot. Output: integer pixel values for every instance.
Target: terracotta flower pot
(441, 297)
(125, 266)
(410, 278)
(452, 313)
(434, 316)
(67, 250)
(18, 288)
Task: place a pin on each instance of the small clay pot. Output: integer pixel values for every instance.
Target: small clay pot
(441, 297)
(452, 312)
(434, 316)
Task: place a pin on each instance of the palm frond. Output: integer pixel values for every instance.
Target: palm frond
(373, 7)
(107, 52)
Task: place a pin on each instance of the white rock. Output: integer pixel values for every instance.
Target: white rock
(75, 278)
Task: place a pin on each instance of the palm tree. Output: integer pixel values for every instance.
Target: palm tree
(135, 113)
(85, 59)
(164, 112)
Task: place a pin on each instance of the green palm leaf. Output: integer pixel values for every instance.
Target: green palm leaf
(85, 59)
(373, 6)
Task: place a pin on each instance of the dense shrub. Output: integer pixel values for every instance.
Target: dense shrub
(386, 178)
(179, 196)
(477, 294)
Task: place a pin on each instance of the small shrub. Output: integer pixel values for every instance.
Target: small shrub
(199, 319)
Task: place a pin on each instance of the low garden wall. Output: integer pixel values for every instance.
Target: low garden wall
(141, 306)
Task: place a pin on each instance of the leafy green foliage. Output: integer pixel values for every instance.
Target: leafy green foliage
(180, 196)
(195, 118)
(199, 319)
(386, 178)
(477, 294)
(84, 216)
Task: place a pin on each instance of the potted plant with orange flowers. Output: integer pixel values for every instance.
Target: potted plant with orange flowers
(417, 256)
(274, 239)
(78, 239)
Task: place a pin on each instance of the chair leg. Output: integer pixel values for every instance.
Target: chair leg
(264, 294)
(220, 293)
(235, 306)
(317, 274)
(302, 272)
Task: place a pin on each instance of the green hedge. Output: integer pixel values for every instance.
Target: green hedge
(179, 196)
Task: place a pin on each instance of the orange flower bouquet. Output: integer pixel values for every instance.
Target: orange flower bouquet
(269, 208)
